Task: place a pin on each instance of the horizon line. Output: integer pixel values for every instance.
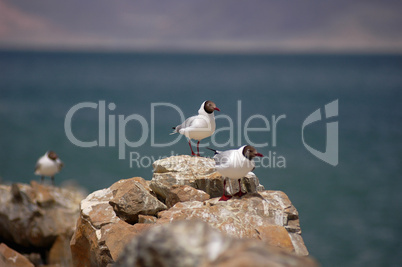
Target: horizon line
(112, 50)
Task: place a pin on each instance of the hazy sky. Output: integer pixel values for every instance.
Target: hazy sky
(203, 25)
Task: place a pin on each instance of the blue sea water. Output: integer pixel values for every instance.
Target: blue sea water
(350, 214)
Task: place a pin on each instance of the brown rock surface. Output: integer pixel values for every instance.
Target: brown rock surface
(146, 219)
(195, 243)
(60, 253)
(251, 253)
(184, 183)
(101, 233)
(131, 198)
(35, 216)
(183, 193)
(11, 258)
(267, 215)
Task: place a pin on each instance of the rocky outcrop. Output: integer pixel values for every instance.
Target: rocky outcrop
(105, 224)
(268, 216)
(39, 219)
(199, 173)
(195, 243)
(186, 188)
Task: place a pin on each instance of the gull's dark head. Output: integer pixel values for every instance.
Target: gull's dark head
(250, 152)
(210, 107)
(52, 155)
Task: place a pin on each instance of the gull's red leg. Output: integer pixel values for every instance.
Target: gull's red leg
(198, 149)
(192, 152)
(224, 197)
(240, 193)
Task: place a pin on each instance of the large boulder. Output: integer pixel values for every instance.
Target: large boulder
(195, 243)
(106, 221)
(35, 216)
(199, 173)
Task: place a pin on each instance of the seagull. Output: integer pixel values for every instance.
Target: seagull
(200, 126)
(48, 165)
(235, 164)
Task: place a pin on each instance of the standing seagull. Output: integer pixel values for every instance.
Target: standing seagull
(200, 126)
(235, 164)
(48, 165)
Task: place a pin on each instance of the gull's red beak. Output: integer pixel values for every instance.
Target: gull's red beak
(259, 155)
(217, 109)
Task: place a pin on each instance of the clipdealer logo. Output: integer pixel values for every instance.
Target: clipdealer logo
(330, 155)
(109, 122)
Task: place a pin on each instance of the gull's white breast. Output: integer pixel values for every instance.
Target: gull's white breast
(47, 167)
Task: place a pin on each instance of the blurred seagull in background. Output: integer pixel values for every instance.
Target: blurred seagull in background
(235, 164)
(200, 126)
(48, 165)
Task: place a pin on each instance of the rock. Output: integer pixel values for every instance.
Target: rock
(197, 172)
(103, 229)
(130, 201)
(146, 219)
(111, 217)
(276, 236)
(252, 253)
(35, 258)
(60, 253)
(195, 243)
(183, 193)
(183, 243)
(115, 236)
(11, 258)
(34, 216)
(268, 215)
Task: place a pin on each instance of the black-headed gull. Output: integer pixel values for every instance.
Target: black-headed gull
(200, 126)
(235, 164)
(48, 165)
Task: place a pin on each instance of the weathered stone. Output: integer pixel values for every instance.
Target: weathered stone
(95, 208)
(185, 165)
(101, 234)
(43, 196)
(84, 244)
(252, 216)
(142, 182)
(183, 193)
(95, 214)
(131, 198)
(11, 258)
(60, 253)
(146, 219)
(199, 173)
(117, 235)
(185, 243)
(37, 216)
(195, 243)
(276, 235)
(185, 183)
(35, 258)
(251, 253)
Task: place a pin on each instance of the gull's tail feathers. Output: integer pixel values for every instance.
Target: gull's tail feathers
(214, 150)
